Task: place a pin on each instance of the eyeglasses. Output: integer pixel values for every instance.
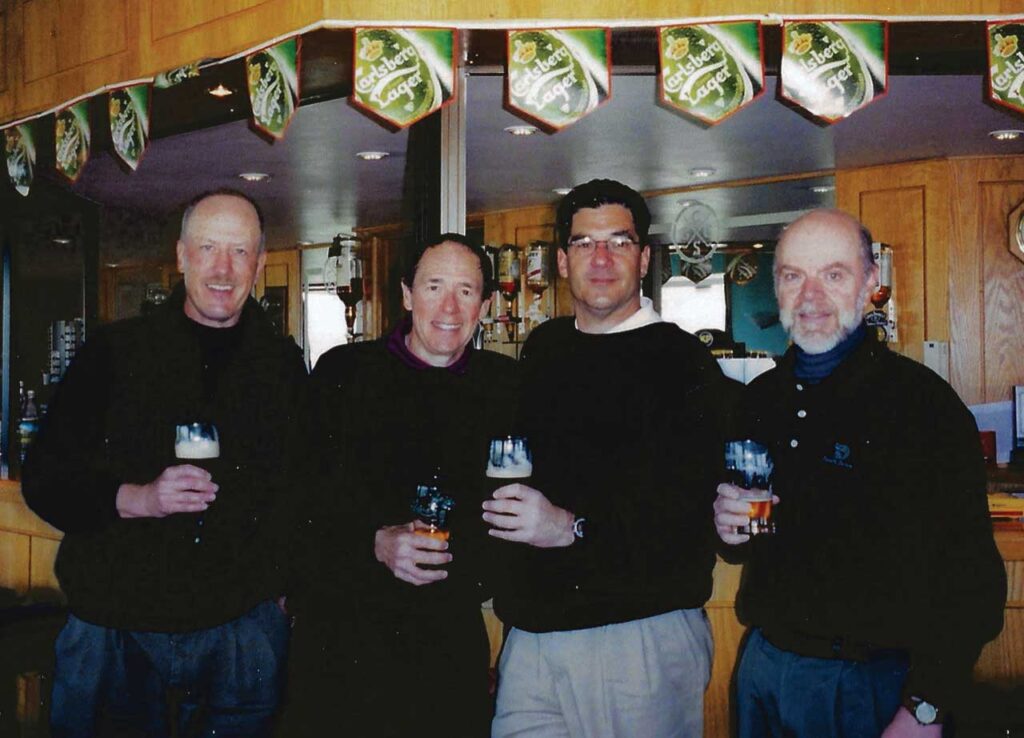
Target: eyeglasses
(614, 244)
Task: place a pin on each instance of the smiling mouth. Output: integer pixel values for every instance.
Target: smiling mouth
(219, 287)
(447, 326)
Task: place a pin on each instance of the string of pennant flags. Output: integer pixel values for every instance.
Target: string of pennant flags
(554, 77)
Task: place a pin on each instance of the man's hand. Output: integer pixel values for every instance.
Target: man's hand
(178, 489)
(731, 512)
(524, 515)
(403, 551)
(904, 725)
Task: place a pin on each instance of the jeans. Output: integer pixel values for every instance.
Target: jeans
(779, 693)
(223, 681)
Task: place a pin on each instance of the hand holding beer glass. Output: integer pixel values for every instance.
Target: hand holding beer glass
(744, 505)
(197, 442)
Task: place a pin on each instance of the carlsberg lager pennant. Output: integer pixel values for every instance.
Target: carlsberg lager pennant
(129, 123)
(833, 68)
(403, 74)
(273, 80)
(555, 77)
(709, 71)
(1006, 63)
(176, 76)
(72, 137)
(21, 157)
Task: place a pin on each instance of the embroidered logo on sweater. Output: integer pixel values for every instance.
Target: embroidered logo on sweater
(840, 454)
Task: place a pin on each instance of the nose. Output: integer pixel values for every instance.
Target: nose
(450, 303)
(602, 255)
(222, 261)
(811, 288)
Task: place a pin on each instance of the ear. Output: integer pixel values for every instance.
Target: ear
(485, 306)
(645, 260)
(872, 284)
(563, 262)
(180, 251)
(261, 261)
(406, 297)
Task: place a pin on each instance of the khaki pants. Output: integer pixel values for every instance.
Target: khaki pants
(641, 678)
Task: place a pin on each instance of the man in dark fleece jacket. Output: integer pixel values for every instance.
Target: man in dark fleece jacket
(611, 554)
(870, 605)
(172, 573)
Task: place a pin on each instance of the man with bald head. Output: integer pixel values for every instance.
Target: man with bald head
(172, 569)
(870, 605)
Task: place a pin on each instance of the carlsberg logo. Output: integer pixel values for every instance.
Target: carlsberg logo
(543, 70)
(683, 82)
(404, 62)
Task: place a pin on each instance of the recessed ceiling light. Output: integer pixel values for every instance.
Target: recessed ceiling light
(255, 176)
(757, 246)
(562, 190)
(62, 240)
(1006, 134)
(521, 130)
(701, 172)
(821, 189)
(220, 91)
(372, 155)
(303, 242)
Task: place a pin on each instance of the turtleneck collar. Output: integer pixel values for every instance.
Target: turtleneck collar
(396, 345)
(814, 368)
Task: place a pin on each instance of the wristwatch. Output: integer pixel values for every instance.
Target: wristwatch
(924, 712)
(577, 527)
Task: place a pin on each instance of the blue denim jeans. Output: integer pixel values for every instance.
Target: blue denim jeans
(223, 681)
(779, 693)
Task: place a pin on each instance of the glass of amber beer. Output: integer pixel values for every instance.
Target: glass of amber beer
(749, 467)
(432, 506)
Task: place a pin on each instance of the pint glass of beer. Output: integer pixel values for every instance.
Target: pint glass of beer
(510, 459)
(749, 467)
(197, 443)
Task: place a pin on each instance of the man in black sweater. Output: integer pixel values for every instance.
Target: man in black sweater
(389, 636)
(172, 573)
(610, 558)
(870, 605)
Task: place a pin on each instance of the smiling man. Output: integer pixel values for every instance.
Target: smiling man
(392, 641)
(172, 572)
(872, 602)
(609, 546)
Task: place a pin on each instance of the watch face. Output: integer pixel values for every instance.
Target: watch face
(925, 713)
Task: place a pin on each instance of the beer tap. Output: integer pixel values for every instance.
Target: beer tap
(343, 273)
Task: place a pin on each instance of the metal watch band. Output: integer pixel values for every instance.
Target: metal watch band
(577, 527)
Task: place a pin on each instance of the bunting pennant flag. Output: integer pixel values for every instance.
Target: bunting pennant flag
(555, 77)
(401, 75)
(72, 138)
(1006, 63)
(20, 147)
(709, 71)
(831, 69)
(176, 76)
(273, 78)
(129, 123)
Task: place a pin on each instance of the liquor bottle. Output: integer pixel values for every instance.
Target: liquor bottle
(537, 279)
(28, 425)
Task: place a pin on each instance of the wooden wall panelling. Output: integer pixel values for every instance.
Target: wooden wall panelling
(39, 39)
(283, 269)
(907, 206)
(966, 285)
(1004, 292)
(177, 32)
(5, 67)
(986, 283)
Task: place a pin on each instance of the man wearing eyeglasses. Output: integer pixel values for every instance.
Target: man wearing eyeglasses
(611, 556)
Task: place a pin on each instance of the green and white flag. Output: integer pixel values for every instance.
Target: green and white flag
(555, 77)
(273, 77)
(401, 75)
(129, 123)
(709, 71)
(72, 139)
(176, 76)
(1006, 63)
(21, 156)
(832, 69)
